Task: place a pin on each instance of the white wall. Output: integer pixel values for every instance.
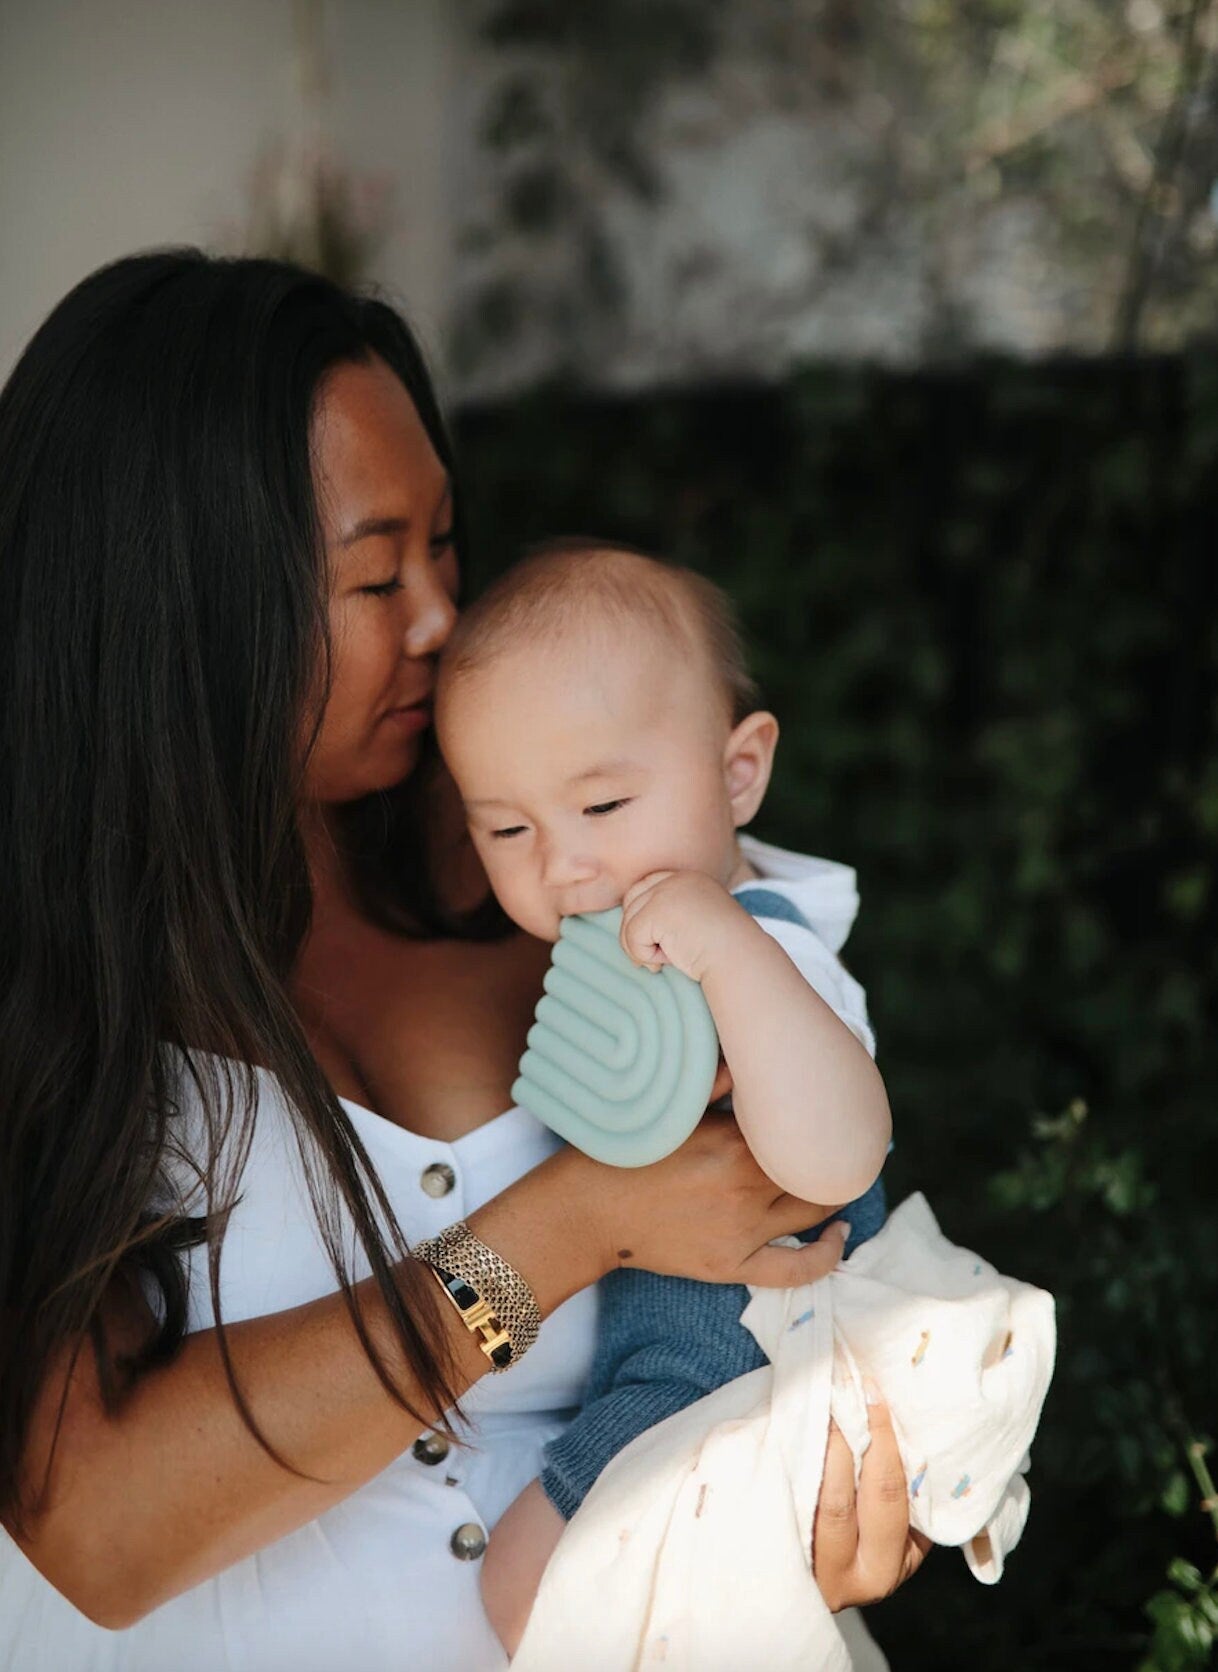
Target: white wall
(131, 123)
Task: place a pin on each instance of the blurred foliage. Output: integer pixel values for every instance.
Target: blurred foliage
(564, 123)
(983, 605)
(1095, 120)
(1105, 114)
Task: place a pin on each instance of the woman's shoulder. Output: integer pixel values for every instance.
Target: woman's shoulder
(235, 1152)
(218, 1110)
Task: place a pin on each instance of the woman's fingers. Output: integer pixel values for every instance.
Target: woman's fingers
(835, 1527)
(862, 1545)
(705, 1211)
(723, 1082)
(888, 1552)
(789, 1268)
(797, 1214)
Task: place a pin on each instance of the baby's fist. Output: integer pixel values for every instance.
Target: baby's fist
(680, 918)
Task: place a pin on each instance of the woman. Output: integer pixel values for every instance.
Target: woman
(238, 917)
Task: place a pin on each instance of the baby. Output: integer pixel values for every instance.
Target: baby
(596, 715)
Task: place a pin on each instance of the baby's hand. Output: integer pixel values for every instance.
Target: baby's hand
(682, 918)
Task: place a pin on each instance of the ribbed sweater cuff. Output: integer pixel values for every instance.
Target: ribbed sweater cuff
(574, 1461)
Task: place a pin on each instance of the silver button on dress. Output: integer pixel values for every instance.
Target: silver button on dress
(468, 1542)
(438, 1179)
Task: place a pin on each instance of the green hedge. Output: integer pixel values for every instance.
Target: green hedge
(984, 607)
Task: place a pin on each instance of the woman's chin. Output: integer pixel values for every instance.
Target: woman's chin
(366, 777)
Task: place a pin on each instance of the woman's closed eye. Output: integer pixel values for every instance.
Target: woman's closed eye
(508, 830)
(439, 545)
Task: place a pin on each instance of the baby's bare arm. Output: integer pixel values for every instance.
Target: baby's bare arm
(808, 1098)
(522, 1543)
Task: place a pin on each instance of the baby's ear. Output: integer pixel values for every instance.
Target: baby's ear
(747, 761)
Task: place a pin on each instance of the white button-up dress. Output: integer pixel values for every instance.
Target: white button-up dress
(387, 1580)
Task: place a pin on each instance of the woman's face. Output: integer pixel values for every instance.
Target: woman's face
(385, 505)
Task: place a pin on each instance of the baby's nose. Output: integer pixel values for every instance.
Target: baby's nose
(562, 866)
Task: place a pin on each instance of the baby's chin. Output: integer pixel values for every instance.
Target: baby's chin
(545, 928)
(541, 928)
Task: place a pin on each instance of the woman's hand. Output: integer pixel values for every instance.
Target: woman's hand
(706, 1211)
(862, 1545)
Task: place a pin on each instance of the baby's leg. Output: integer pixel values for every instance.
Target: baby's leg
(520, 1546)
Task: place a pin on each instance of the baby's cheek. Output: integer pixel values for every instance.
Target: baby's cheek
(540, 919)
(535, 916)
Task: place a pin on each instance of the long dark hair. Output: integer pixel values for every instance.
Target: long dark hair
(163, 621)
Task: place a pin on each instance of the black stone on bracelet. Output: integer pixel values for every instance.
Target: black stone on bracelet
(466, 1297)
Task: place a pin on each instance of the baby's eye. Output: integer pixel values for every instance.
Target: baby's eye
(383, 589)
(603, 807)
(510, 830)
(441, 543)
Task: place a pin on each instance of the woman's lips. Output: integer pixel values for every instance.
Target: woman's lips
(417, 717)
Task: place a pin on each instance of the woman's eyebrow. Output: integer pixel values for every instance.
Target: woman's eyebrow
(368, 526)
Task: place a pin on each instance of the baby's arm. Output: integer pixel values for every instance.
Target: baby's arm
(808, 1097)
(520, 1546)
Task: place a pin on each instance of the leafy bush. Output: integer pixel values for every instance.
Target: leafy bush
(983, 606)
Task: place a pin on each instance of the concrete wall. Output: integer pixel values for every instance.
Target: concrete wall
(131, 123)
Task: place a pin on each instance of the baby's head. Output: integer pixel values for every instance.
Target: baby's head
(595, 711)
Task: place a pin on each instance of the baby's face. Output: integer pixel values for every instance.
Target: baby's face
(584, 768)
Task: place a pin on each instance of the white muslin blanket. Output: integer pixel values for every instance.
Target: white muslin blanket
(692, 1551)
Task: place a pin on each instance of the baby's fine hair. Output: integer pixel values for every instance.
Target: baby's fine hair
(558, 585)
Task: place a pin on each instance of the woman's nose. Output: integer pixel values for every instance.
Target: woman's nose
(430, 620)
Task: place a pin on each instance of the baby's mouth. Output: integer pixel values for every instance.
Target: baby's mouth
(586, 910)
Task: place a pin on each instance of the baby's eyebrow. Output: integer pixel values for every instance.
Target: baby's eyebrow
(606, 769)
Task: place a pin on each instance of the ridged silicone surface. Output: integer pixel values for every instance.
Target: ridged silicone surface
(621, 1060)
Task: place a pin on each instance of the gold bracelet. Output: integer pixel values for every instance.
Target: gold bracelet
(490, 1297)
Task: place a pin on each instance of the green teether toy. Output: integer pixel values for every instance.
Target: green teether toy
(620, 1060)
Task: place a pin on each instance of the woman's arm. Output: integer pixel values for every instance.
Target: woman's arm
(808, 1097)
(172, 1488)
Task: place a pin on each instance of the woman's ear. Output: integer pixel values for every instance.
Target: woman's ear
(747, 761)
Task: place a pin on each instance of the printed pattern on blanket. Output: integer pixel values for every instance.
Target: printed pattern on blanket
(692, 1552)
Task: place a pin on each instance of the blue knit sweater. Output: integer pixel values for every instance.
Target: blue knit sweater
(663, 1342)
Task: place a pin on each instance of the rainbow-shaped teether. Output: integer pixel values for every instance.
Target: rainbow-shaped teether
(621, 1060)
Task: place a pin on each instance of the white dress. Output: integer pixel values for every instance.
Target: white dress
(374, 1583)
